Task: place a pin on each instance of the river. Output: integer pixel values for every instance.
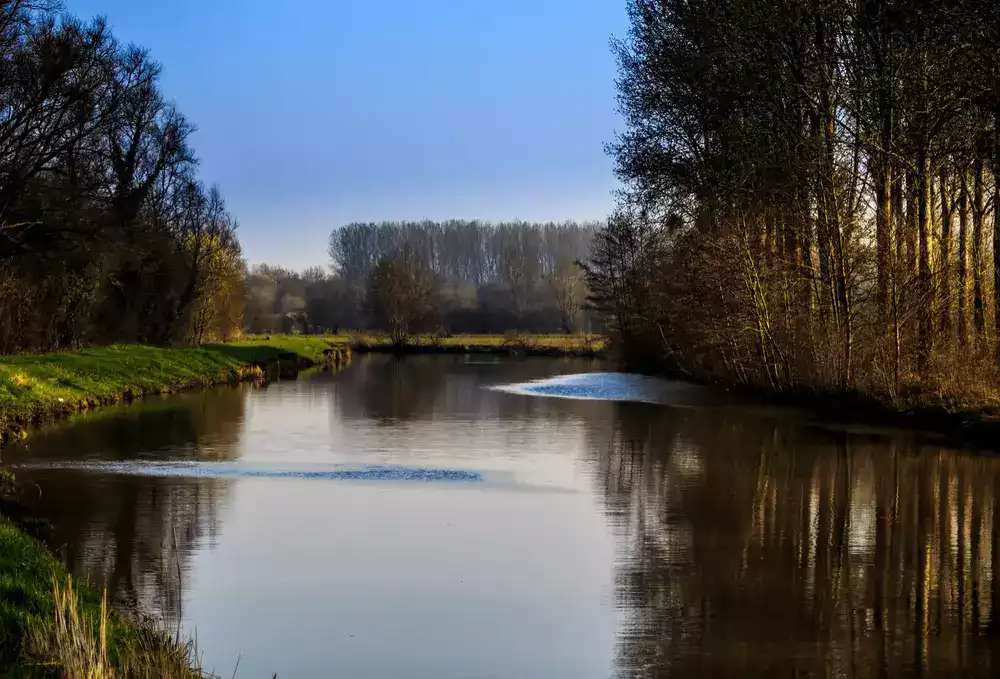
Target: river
(461, 517)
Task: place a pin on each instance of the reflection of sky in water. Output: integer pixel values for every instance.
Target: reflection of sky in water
(605, 537)
(395, 505)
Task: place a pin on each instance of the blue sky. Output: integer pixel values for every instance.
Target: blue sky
(315, 113)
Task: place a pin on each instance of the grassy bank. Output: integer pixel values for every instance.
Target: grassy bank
(52, 627)
(44, 632)
(34, 388)
(27, 573)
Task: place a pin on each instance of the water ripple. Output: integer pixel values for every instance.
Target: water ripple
(600, 386)
(223, 470)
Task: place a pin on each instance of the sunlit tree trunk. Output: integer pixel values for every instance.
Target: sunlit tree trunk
(978, 217)
(996, 233)
(884, 165)
(947, 200)
(924, 273)
(963, 258)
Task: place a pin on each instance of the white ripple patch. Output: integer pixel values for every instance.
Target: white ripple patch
(600, 387)
(237, 470)
(371, 473)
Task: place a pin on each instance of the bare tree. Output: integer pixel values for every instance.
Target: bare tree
(400, 296)
(799, 165)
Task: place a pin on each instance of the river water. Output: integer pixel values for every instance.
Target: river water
(469, 517)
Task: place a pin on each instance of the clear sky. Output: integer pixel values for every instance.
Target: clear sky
(315, 113)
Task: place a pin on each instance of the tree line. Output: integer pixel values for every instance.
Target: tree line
(453, 276)
(106, 232)
(809, 194)
(281, 300)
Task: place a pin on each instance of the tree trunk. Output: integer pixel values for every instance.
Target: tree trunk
(946, 227)
(996, 235)
(912, 223)
(884, 177)
(978, 217)
(963, 258)
(883, 220)
(924, 304)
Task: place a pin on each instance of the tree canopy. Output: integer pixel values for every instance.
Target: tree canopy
(809, 192)
(106, 232)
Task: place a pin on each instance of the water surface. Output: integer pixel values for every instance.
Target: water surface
(442, 516)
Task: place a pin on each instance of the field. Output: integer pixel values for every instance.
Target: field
(549, 345)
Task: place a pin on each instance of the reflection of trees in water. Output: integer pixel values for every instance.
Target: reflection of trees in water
(133, 533)
(751, 548)
(200, 423)
(392, 389)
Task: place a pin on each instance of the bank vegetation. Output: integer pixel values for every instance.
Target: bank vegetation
(810, 198)
(107, 234)
(39, 387)
(445, 278)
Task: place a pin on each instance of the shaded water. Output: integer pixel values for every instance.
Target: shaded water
(425, 518)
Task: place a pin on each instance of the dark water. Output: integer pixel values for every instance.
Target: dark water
(405, 519)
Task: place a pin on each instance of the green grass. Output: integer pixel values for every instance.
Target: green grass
(255, 347)
(566, 344)
(27, 573)
(34, 387)
(53, 627)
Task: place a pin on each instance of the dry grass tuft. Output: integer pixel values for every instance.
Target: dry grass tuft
(76, 647)
(71, 645)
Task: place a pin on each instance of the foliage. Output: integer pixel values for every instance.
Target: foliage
(76, 644)
(490, 277)
(218, 306)
(283, 301)
(400, 296)
(558, 344)
(8, 484)
(794, 176)
(50, 626)
(104, 222)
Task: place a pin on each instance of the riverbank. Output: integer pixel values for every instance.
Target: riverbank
(957, 423)
(51, 626)
(26, 601)
(37, 388)
(511, 344)
(961, 427)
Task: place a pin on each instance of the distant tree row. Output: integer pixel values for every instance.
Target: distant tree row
(460, 251)
(811, 195)
(469, 276)
(107, 233)
(455, 276)
(283, 301)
